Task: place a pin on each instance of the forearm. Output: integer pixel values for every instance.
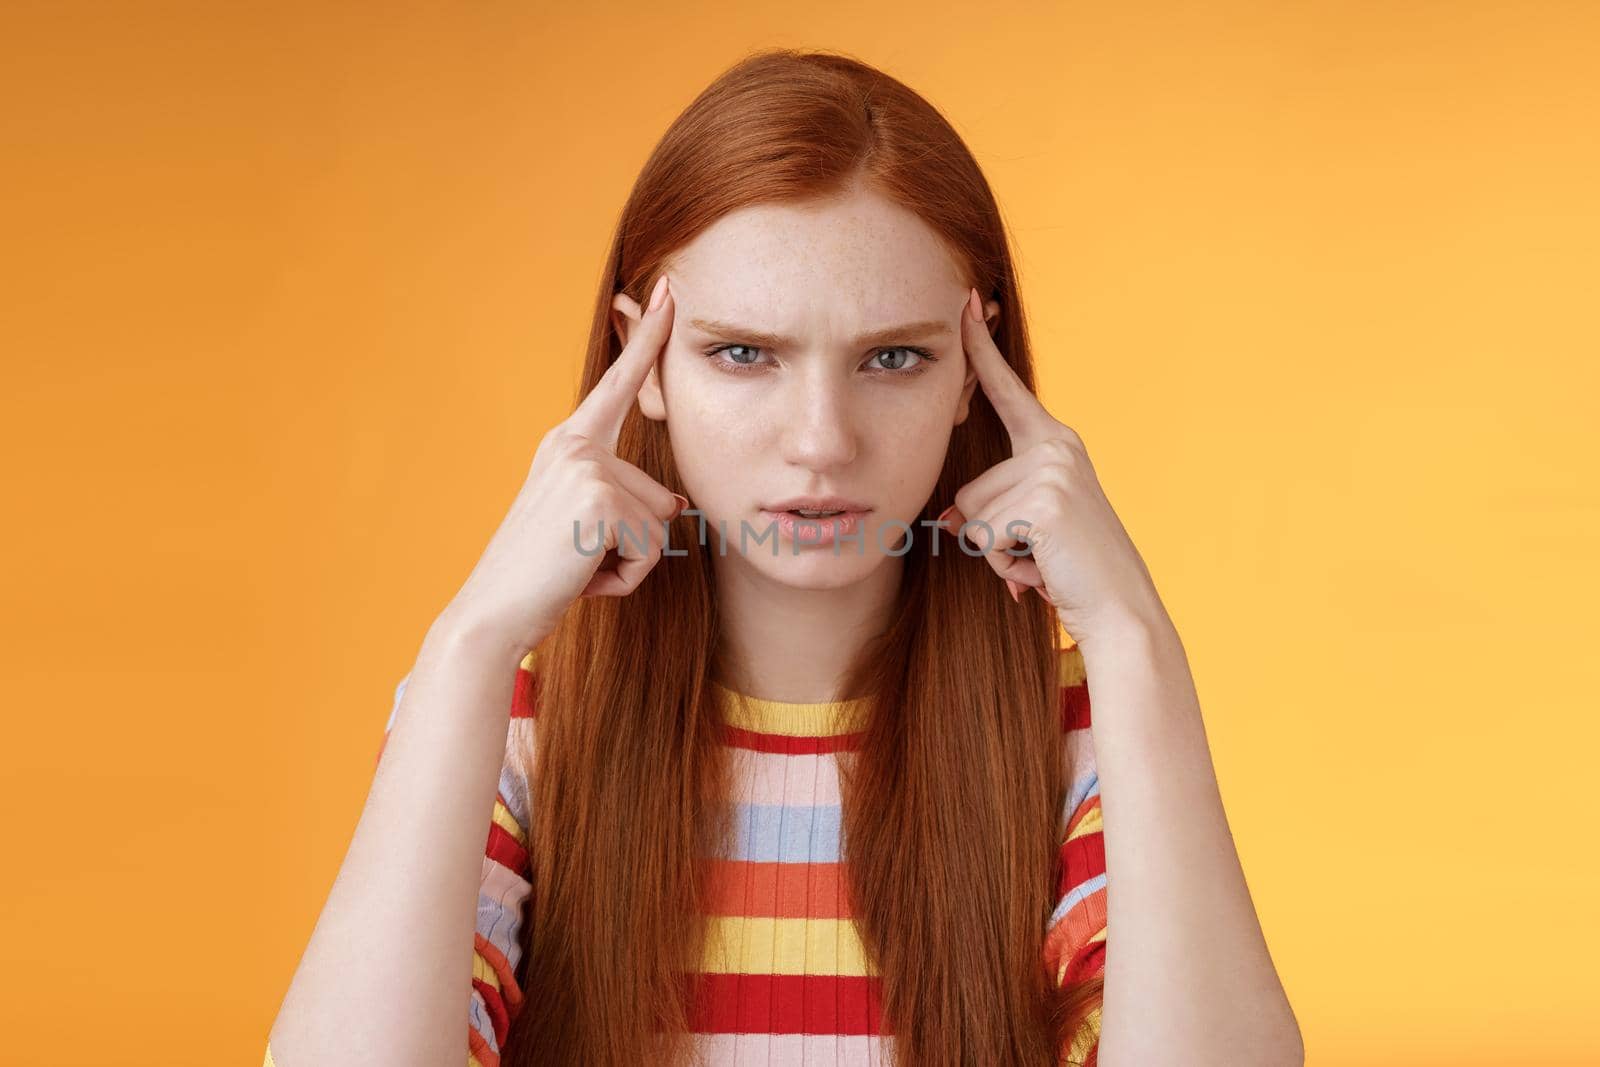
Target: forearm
(386, 975)
(1188, 978)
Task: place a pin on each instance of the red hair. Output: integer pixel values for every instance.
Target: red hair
(951, 808)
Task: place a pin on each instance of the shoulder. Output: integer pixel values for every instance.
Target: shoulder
(1074, 689)
(1079, 769)
(525, 694)
(515, 787)
(1076, 933)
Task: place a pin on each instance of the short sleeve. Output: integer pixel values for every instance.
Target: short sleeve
(504, 885)
(503, 890)
(1075, 939)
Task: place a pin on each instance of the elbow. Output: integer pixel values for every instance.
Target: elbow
(1275, 1042)
(1294, 1051)
(1288, 1047)
(1277, 1046)
(1268, 1036)
(1297, 1055)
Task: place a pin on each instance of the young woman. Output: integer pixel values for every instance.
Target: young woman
(782, 786)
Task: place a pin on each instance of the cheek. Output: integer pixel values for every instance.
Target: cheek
(924, 411)
(713, 433)
(909, 440)
(699, 406)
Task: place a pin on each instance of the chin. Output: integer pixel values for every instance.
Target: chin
(816, 569)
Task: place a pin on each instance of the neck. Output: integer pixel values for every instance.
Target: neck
(790, 644)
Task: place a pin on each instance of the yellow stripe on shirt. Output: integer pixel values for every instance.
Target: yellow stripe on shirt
(740, 944)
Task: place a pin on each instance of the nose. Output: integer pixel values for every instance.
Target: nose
(818, 428)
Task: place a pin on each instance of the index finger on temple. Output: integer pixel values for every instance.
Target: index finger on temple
(602, 412)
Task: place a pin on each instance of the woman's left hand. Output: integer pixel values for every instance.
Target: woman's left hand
(1081, 561)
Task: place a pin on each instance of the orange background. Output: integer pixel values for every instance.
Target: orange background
(293, 290)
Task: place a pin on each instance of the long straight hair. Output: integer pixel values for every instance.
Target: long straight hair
(952, 803)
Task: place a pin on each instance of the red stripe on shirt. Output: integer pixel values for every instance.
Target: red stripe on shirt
(786, 1004)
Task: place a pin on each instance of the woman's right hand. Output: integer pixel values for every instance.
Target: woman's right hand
(532, 570)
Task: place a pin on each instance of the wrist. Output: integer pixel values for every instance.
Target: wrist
(1144, 630)
(459, 636)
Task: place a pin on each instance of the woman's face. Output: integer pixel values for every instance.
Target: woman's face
(815, 352)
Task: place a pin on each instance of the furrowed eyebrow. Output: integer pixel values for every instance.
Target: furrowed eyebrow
(910, 331)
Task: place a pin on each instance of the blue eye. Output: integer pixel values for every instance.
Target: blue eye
(921, 356)
(742, 360)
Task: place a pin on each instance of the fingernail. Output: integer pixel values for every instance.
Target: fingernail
(945, 514)
(685, 502)
(659, 294)
(974, 306)
(1016, 590)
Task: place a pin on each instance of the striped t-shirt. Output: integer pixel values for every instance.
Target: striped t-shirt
(784, 979)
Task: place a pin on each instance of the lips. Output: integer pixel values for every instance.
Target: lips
(807, 531)
(818, 503)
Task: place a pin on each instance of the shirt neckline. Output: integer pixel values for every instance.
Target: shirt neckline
(829, 718)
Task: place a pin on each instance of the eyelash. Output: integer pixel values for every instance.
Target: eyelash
(924, 357)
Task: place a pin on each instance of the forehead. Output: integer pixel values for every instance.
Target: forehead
(859, 251)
